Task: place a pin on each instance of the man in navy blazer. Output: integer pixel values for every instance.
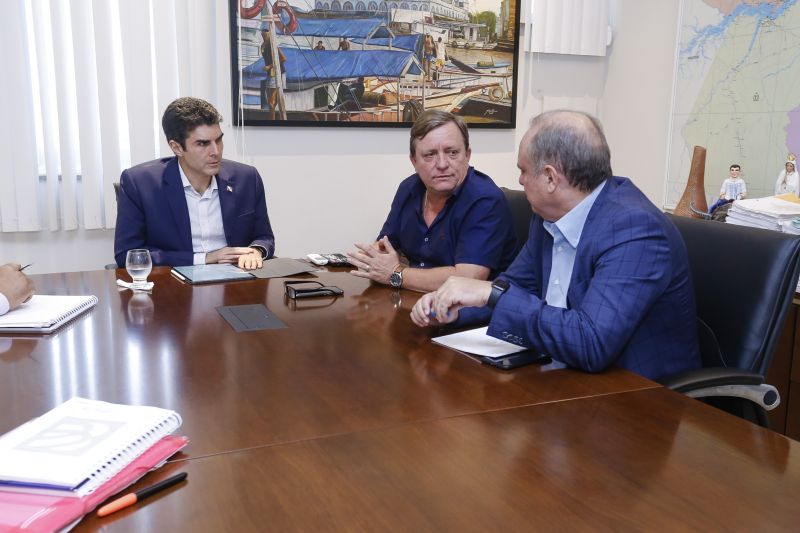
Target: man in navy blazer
(603, 278)
(195, 207)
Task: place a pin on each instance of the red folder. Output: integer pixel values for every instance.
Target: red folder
(24, 511)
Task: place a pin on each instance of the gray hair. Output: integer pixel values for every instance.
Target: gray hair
(574, 144)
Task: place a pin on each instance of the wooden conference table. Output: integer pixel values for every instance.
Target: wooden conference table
(351, 419)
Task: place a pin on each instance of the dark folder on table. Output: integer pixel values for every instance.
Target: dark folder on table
(281, 267)
(272, 268)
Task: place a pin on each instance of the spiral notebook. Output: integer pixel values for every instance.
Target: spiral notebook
(76, 447)
(45, 313)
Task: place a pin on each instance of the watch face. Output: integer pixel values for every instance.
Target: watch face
(396, 279)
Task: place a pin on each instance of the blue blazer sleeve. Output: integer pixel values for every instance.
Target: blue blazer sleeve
(244, 207)
(523, 273)
(262, 233)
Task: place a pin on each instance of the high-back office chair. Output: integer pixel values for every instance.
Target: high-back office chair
(744, 280)
(113, 266)
(520, 211)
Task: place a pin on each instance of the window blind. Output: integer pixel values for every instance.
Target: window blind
(91, 79)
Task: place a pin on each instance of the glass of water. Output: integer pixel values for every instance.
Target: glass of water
(139, 264)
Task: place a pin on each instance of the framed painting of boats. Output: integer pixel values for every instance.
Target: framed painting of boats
(373, 63)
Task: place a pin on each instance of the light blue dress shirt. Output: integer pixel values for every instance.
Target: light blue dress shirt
(205, 219)
(566, 233)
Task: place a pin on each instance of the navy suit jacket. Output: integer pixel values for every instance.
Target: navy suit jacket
(630, 299)
(152, 212)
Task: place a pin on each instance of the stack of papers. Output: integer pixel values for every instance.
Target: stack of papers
(773, 212)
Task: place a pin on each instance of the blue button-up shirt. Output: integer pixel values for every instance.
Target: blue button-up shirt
(475, 226)
(566, 233)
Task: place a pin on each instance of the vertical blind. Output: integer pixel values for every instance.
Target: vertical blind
(577, 27)
(86, 82)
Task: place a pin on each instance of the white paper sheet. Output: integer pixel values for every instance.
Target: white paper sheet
(476, 341)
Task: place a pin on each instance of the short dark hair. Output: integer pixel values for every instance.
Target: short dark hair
(432, 119)
(574, 144)
(184, 115)
(735, 166)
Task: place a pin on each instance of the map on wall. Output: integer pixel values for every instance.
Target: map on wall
(737, 92)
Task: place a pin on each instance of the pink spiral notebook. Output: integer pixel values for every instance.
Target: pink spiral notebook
(24, 511)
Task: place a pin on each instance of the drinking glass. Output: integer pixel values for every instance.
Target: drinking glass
(139, 264)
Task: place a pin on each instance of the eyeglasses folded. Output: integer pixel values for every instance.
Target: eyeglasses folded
(309, 289)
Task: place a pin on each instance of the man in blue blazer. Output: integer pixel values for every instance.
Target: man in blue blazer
(603, 278)
(195, 207)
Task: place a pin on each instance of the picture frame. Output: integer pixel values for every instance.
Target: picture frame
(373, 63)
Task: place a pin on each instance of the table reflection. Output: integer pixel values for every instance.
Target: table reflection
(140, 308)
(13, 350)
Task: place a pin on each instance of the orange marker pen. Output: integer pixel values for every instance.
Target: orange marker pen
(139, 495)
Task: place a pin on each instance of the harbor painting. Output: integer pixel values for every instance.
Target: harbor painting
(373, 62)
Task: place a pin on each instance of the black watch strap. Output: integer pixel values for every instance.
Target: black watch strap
(260, 249)
(499, 287)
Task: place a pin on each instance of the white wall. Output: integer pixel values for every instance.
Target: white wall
(328, 188)
(636, 103)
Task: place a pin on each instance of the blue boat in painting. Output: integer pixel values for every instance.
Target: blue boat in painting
(350, 63)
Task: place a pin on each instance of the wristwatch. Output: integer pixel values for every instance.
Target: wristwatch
(396, 277)
(499, 288)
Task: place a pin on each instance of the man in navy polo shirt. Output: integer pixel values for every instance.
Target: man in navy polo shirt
(447, 219)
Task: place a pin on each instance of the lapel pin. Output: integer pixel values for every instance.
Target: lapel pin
(230, 189)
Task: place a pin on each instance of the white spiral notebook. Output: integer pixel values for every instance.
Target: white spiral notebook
(76, 447)
(45, 313)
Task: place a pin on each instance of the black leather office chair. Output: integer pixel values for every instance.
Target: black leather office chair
(520, 211)
(113, 266)
(744, 280)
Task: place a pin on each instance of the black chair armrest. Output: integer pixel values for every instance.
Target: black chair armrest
(710, 377)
